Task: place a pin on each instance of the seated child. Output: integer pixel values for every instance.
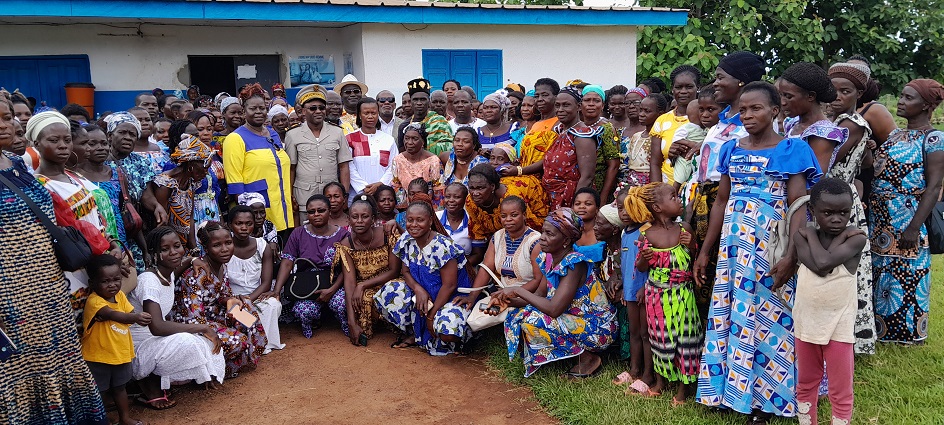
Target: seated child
(825, 305)
(106, 341)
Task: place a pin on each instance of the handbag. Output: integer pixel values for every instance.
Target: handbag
(780, 235)
(72, 250)
(935, 228)
(129, 214)
(477, 319)
(302, 284)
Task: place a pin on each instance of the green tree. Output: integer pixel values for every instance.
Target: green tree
(901, 37)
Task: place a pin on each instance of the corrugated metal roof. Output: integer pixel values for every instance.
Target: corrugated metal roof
(452, 5)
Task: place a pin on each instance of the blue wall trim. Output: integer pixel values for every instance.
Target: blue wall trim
(313, 12)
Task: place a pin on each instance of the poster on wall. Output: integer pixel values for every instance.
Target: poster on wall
(348, 63)
(305, 70)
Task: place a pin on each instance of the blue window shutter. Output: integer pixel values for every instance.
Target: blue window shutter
(463, 68)
(489, 66)
(436, 66)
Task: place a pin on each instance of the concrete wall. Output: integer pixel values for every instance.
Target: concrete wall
(385, 56)
(600, 55)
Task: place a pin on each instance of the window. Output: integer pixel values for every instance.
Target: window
(480, 69)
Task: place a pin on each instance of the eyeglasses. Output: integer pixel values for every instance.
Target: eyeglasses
(318, 211)
(349, 92)
(314, 108)
(386, 100)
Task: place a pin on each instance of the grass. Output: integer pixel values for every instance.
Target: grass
(899, 385)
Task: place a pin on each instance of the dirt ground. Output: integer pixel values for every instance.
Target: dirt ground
(327, 380)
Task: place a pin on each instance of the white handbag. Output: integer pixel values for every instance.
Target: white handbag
(478, 320)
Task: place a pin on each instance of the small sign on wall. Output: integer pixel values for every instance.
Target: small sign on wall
(348, 63)
(304, 70)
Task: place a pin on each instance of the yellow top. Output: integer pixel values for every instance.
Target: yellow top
(106, 341)
(665, 127)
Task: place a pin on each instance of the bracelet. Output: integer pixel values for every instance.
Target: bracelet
(520, 172)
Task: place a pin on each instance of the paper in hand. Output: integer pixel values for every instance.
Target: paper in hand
(242, 316)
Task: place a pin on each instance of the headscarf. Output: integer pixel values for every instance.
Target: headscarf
(250, 90)
(930, 90)
(509, 150)
(192, 149)
(275, 110)
(576, 82)
(218, 99)
(851, 72)
(571, 90)
(515, 87)
(745, 66)
(122, 117)
(593, 88)
(227, 102)
(611, 214)
(40, 121)
(278, 86)
(530, 93)
(250, 198)
(640, 91)
(567, 222)
(500, 97)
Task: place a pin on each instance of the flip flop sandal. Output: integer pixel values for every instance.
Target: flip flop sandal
(638, 386)
(152, 403)
(676, 403)
(623, 378)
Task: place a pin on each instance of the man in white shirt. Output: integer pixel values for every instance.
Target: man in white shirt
(389, 123)
(462, 105)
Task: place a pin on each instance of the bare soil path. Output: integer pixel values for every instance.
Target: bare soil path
(326, 380)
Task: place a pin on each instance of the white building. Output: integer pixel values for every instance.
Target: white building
(125, 47)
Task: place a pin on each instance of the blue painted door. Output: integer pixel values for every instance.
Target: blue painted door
(480, 69)
(44, 77)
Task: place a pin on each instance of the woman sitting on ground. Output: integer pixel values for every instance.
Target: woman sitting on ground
(315, 243)
(206, 299)
(168, 351)
(367, 265)
(569, 315)
(511, 256)
(421, 305)
(486, 193)
(250, 273)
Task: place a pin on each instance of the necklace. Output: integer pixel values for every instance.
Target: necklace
(355, 241)
(161, 276)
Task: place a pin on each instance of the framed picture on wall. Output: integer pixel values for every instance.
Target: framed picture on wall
(304, 70)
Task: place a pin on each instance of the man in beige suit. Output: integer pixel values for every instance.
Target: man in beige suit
(319, 152)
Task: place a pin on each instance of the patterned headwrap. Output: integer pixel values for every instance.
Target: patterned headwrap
(851, 72)
(418, 85)
(576, 82)
(930, 90)
(192, 149)
(250, 198)
(567, 222)
(571, 90)
(40, 121)
(640, 91)
(278, 86)
(500, 97)
(218, 99)
(227, 102)
(275, 110)
(509, 150)
(611, 214)
(593, 88)
(122, 117)
(250, 90)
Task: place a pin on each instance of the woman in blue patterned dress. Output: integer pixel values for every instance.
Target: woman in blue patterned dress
(569, 315)
(463, 157)
(909, 168)
(45, 381)
(747, 363)
(421, 305)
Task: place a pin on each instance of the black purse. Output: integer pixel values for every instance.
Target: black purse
(304, 281)
(935, 228)
(72, 250)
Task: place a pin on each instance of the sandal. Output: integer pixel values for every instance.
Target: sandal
(758, 420)
(638, 386)
(401, 344)
(623, 378)
(153, 403)
(677, 403)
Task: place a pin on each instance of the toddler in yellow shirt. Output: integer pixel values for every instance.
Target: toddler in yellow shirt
(106, 340)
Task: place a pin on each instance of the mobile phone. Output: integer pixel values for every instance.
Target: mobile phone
(362, 340)
(242, 316)
(7, 347)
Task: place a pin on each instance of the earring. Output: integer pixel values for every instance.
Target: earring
(741, 84)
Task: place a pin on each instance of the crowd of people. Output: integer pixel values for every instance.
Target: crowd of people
(729, 239)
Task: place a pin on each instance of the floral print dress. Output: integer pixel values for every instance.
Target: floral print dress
(589, 323)
(200, 298)
(395, 300)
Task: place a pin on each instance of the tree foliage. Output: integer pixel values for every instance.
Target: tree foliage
(902, 38)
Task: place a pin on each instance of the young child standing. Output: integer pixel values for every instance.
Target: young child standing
(106, 342)
(675, 331)
(824, 309)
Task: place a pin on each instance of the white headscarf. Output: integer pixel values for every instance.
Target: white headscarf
(40, 121)
(275, 110)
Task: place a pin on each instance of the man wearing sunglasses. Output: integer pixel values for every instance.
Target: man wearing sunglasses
(351, 91)
(316, 150)
(389, 123)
